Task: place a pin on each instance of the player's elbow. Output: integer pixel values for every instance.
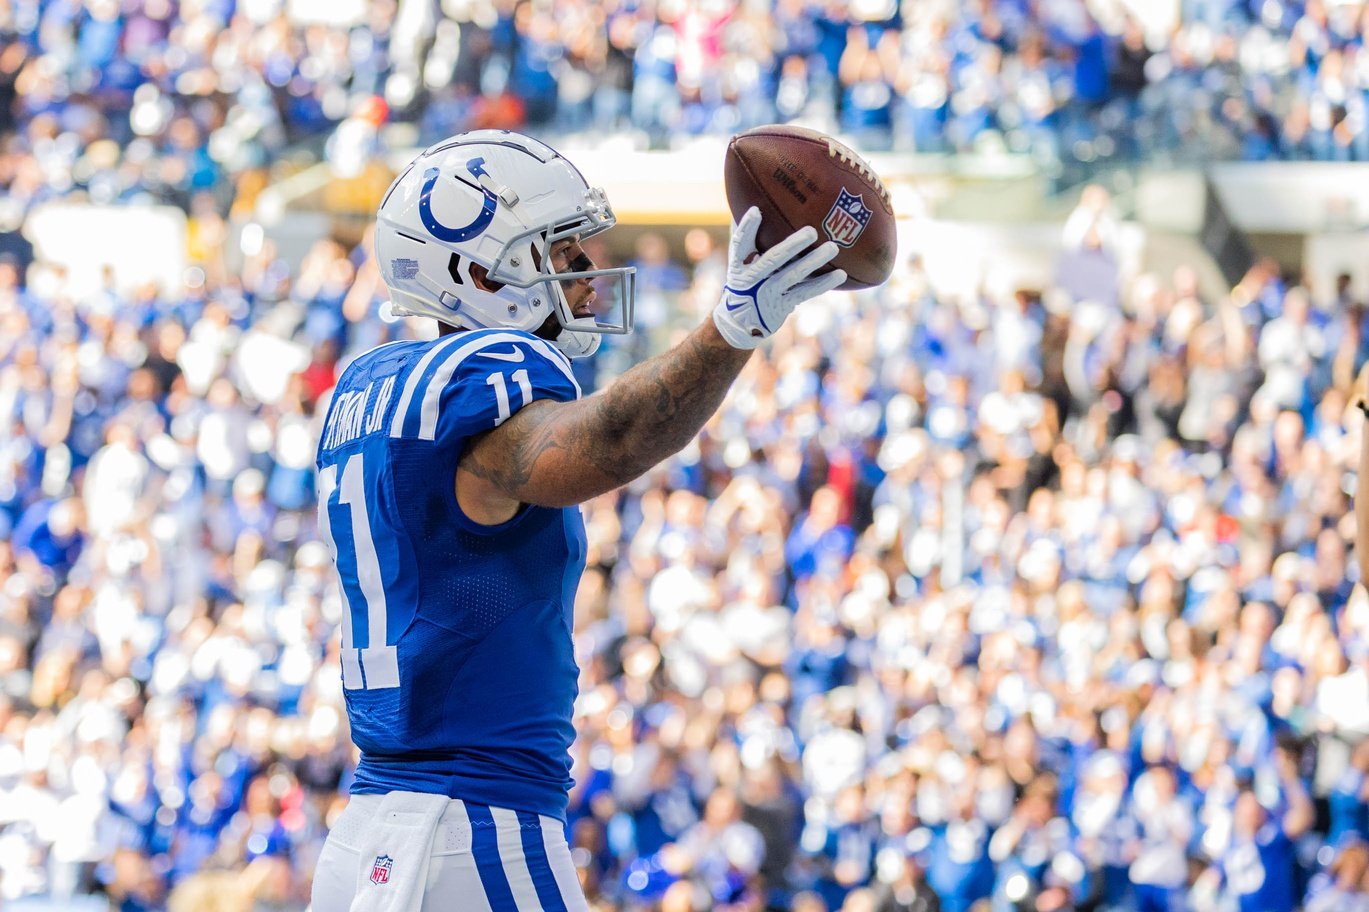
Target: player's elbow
(559, 499)
(571, 495)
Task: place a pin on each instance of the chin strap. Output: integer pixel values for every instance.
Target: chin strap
(578, 344)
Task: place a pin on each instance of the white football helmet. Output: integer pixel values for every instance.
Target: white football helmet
(499, 199)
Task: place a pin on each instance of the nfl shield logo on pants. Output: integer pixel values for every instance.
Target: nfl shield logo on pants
(380, 871)
(847, 219)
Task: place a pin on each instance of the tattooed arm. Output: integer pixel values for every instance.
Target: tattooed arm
(557, 454)
(560, 453)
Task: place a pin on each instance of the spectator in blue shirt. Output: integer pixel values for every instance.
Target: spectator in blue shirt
(49, 533)
(1257, 867)
(957, 858)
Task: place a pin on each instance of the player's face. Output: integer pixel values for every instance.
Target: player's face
(568, 256)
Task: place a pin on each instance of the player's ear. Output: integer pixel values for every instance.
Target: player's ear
(481, 276)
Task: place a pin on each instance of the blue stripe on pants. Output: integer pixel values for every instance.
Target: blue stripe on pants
(485, 848)
(539, 866)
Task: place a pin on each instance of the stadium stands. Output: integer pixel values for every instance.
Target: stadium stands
(1039, 600)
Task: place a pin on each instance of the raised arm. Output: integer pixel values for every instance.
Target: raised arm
(561, 453)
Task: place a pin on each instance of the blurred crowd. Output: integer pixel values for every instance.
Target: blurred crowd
(185, 100)
(1062, 80)
(1039, 602)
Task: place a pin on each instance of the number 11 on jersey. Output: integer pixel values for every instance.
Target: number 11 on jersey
(501, 392)
(375, 665)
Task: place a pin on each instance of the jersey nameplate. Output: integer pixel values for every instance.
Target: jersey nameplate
(356, 415)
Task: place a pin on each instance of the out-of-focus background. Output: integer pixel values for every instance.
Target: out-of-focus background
(1021, 583)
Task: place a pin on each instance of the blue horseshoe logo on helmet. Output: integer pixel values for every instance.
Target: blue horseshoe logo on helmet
(456, 235)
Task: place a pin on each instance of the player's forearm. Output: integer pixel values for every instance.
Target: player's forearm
(560, 454)
(653, 410)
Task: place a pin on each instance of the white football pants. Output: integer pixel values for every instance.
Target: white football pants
(483, 859)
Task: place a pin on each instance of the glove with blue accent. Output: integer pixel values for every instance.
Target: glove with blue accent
(761, 292)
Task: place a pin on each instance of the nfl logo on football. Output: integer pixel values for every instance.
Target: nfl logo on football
(847, 219)
(380, 871)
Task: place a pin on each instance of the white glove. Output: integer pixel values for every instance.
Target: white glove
(760, 294)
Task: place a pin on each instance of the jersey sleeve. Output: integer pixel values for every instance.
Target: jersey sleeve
(490, 377)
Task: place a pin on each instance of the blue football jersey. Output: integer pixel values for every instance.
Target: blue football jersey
(457, 662)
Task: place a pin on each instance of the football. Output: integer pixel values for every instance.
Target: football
(798, 177)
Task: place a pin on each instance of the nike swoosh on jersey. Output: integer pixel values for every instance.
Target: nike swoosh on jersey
(515, 355)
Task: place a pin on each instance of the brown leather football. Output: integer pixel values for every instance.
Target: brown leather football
(798, 177)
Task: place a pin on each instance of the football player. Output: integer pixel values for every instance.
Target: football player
(449, 477)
